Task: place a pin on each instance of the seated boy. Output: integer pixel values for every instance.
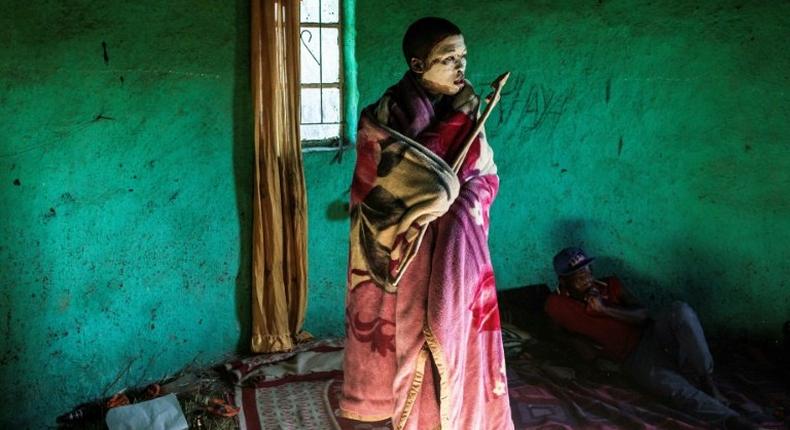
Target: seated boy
(654, 352)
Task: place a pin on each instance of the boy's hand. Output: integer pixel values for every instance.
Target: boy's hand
(595, 304)
(466, 100)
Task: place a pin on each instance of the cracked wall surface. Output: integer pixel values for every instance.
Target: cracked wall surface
(125, 165)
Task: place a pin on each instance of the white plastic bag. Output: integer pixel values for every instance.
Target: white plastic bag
(162, 413)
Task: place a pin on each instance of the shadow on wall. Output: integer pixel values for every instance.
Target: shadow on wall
(338, 210)
(242, 169)
(707, 276)
(572, 232)
(641, 285)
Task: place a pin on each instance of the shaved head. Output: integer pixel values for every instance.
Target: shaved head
(423, 34)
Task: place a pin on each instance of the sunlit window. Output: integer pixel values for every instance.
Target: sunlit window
(321, 64)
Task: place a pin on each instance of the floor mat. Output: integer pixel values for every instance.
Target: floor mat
(291, 405)
(548, 390)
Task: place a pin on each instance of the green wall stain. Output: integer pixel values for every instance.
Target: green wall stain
(327, 247)
(124, 252)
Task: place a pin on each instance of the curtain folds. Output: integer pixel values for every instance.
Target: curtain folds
(279, 236)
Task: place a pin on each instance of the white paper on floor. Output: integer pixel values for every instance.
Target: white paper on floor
(162, 413)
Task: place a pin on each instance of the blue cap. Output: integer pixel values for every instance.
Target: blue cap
(571, 259)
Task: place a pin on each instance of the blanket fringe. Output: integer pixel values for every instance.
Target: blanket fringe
(416, 385)
(342, 413)
(444, 381)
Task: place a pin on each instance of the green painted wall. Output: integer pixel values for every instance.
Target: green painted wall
(655, 134)
(124, 196)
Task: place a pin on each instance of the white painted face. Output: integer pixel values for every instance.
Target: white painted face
(443, 70)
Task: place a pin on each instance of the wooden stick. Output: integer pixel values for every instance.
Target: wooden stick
(497, 85)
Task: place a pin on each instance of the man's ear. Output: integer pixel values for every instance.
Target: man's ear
(416, 65)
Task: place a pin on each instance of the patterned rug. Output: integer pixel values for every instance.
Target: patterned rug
(297, 404)
(548, 390)
(292, 405)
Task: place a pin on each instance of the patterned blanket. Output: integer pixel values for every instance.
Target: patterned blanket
(424, 346)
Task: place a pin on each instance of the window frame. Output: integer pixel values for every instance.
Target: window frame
(335, 142)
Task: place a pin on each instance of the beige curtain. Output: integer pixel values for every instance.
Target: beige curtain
(279, 238)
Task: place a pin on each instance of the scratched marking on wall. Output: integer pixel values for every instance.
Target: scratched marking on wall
(534, 106)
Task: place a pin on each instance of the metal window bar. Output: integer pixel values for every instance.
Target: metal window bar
(320, 60)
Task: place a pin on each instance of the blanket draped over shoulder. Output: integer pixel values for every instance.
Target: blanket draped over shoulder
(425, 351)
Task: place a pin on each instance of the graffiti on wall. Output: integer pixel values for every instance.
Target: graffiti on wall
(531, 106)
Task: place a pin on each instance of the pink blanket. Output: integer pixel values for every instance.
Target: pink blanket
(425, 351)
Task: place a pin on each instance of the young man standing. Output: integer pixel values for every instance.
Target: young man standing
(423, 344)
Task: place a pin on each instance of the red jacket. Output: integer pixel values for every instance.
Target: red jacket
(618, 338)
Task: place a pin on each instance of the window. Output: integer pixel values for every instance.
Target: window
(321, 63)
